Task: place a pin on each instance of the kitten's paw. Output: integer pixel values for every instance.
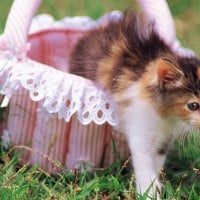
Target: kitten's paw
(155, 190)
(152, 190)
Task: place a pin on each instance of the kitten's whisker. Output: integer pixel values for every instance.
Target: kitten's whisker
(178, 131)
(195, 134)
(181, 133)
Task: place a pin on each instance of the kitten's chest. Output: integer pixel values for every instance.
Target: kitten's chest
(138, 114)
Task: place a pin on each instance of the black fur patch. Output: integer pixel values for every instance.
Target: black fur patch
(190, 66)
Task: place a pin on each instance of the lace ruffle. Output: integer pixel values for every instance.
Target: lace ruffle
(61, 93)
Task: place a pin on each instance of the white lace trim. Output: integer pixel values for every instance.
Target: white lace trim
(59, 92)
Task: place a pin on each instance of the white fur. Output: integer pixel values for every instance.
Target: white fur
(146, 131)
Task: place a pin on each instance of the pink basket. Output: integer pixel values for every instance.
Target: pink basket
(60, 119)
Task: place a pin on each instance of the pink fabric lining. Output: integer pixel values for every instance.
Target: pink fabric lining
(53, 47)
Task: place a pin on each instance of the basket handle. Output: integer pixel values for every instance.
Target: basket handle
(22, 11)
(158, 12)
(18, 22)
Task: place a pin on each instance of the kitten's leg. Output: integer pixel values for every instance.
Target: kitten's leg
(142, 149)
(160, 156)
(140, 123)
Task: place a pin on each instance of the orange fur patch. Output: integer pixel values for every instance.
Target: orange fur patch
(181, 111)
(148, 78)
(198, 72)
(173, 105)
(176, 107)
(110, 75)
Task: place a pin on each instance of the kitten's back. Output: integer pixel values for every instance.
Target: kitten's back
(91, 48)
(105, 53)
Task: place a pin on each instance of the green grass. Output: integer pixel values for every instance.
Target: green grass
(181, 177)
(182, 171)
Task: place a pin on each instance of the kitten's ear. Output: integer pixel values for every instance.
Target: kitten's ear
(169, 76)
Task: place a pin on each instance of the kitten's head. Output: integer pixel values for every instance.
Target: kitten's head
(175, 88)
(173, 82)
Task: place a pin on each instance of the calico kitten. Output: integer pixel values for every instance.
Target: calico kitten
(156, 91)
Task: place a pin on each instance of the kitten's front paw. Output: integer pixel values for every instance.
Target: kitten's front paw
(153, 189)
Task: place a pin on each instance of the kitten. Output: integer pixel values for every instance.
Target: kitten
(156, 91)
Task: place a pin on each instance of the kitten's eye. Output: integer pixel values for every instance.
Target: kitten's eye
(193, 106)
